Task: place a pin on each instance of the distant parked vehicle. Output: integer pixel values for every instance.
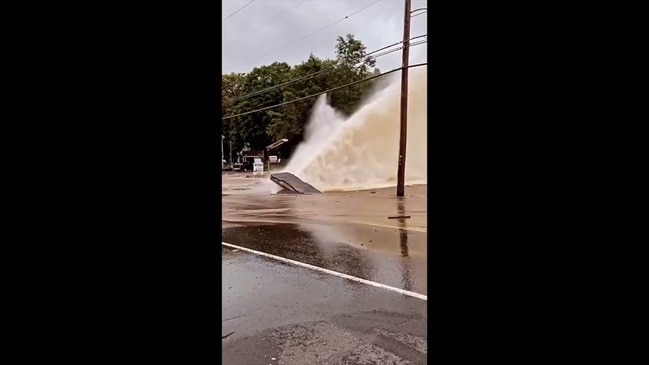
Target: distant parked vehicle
(246, 164)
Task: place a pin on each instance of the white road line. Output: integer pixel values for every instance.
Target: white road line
(331, 272)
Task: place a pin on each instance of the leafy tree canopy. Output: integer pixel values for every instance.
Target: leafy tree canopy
(244, 92)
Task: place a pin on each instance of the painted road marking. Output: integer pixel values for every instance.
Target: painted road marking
(415, 229)
(331, 272)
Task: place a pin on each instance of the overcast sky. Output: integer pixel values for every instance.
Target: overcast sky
(266, 25)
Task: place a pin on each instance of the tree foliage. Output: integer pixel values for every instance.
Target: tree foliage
(314, 75)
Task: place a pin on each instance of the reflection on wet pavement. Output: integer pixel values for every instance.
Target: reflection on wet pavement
(378, 254)
(284, 314)
(403, 243)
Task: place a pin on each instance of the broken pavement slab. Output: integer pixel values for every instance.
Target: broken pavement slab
(292, 183)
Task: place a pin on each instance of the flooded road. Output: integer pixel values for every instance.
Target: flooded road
(247, 199)
(276, 312)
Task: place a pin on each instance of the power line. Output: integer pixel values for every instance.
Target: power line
(400, 48)
(397, 43)
(318, 30)
(238, 10)
(324, 92)
(303, 78)
(312, 75)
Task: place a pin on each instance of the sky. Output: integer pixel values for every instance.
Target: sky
(255, 35)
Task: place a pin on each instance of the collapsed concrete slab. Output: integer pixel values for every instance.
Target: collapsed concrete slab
(292, 183)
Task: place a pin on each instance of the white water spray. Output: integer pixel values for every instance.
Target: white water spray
(361, 152)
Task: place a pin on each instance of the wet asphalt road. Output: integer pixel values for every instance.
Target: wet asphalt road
(294, 315)
(277, 313)
(280, 313)
(388, 256)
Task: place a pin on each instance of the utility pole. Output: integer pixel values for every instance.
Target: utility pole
(231, 162)
(401, 172)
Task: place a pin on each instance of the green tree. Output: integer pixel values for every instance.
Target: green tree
(262, 128)
(353, 65)
(288, 121)
(252, 128)
(231, 87)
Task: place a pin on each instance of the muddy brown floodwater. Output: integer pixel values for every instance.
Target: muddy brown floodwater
(245, 199)
(348, 232)
(276, 313)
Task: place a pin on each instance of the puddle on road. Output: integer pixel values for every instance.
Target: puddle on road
(394, 257)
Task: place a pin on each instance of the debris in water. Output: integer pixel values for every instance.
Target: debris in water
(291, 182)
(399, 216)
(222, 337)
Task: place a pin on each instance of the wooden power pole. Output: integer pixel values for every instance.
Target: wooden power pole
(403, 134)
